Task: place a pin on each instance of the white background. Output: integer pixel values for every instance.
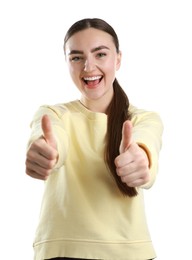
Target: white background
(156, 41)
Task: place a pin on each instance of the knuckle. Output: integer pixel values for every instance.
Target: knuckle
(117, 162)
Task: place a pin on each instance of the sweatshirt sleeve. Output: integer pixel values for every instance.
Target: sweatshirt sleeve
(147, 133)
(56, 115)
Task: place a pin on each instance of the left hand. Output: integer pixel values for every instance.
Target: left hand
(132, 164)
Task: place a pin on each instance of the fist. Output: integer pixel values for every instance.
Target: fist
(42, 154)
(132, 164)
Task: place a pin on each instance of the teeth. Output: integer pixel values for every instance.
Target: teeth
(92, 78)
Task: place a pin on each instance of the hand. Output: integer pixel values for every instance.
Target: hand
(132, 163)
(42, 154)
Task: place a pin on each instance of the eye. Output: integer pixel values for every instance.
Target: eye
(101, 54)
(75, 58)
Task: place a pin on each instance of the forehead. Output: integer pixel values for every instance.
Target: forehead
(88, 39)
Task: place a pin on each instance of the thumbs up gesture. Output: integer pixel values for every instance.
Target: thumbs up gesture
(42, 154)
(132, 163)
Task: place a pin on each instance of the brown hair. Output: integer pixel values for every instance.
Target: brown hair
(117, 111)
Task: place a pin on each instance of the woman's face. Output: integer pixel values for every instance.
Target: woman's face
(93, 61)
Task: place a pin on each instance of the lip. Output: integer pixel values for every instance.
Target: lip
(92, 82)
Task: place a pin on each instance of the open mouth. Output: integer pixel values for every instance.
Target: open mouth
(92, 81)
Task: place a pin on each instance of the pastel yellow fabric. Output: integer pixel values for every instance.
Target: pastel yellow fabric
(83, 213)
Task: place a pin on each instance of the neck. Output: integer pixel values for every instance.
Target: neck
(98, 105)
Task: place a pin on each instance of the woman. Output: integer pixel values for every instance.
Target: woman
(96, 155)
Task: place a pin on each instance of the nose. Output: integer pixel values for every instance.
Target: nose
(89, 65)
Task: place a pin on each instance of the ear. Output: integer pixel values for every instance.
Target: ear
(118, 64)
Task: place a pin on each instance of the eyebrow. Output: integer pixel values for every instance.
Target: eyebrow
(92, 50)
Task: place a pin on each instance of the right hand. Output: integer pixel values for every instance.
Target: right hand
(42, 154)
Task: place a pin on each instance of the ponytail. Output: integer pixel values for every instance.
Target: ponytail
(117, 114)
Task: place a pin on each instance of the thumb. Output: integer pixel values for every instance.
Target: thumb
(126, 136)
(47, 131)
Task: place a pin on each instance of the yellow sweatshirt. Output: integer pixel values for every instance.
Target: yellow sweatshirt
(83, 213)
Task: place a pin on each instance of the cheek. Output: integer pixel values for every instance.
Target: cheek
(72, 71)
(111, 69)
(75, 76)
(74, 68)
(111, 64)
(70, 67)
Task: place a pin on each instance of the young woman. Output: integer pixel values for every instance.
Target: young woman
(96, 155)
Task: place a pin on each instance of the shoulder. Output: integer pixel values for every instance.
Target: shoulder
(56, 110)
(139, 115)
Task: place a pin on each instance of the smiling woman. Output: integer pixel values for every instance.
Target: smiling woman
(93, 66)
(95, 155)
